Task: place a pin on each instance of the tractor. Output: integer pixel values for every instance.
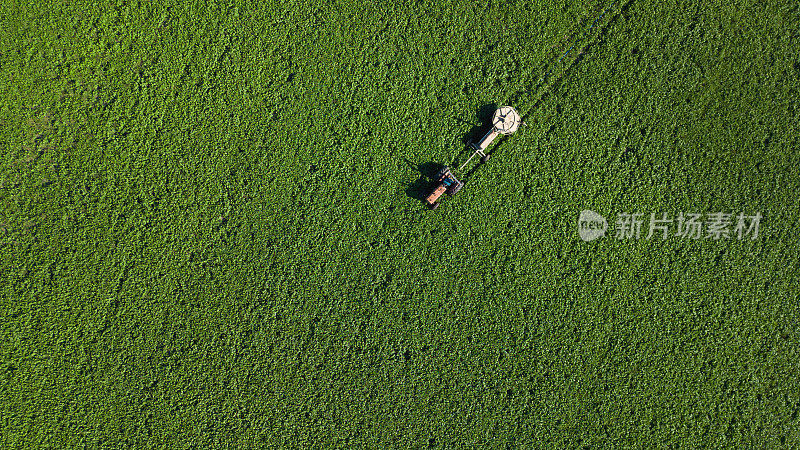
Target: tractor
(505, 121)
(445, 182)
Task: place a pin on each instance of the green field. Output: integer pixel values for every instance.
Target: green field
(212, 233)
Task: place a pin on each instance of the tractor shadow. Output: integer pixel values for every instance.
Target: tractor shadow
(420, 188)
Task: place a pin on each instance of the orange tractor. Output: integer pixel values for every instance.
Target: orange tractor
(445, 183)
(505, 121)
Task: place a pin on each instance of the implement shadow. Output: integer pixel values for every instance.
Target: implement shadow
(484, 116)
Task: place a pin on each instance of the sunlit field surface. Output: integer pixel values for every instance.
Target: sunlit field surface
(212, 230)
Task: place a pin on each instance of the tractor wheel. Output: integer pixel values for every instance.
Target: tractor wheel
(485, 158)
(456, 188)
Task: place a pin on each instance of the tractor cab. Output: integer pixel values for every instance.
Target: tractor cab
(445, 182)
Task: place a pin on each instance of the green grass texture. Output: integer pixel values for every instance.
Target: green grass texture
(212, 231)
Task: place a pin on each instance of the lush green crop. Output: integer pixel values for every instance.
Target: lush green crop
(211, 230)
